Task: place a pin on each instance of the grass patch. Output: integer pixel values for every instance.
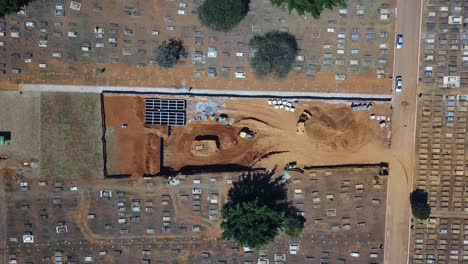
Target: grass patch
(70, 136)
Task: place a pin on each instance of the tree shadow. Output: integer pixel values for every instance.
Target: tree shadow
(269, 191)
(419, 206)
(260, 187)
(21, 3)
(419, 196)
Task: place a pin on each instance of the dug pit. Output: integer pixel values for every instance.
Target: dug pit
(205, 145)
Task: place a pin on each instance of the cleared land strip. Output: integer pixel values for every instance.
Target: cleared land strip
(205, 92)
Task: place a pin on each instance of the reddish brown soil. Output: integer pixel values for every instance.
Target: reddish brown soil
(334, 134)
(137, 146)
(125, 75)
(178, 147)
(8, 173)
(160, 14)
(337, 128)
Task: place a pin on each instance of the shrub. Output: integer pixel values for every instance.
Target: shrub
(275, 53)
(169, 53)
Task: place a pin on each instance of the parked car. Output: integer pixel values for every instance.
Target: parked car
(398, 84)
(399, 42)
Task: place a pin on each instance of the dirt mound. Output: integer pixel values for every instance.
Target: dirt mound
(179, 147)
(337, 128)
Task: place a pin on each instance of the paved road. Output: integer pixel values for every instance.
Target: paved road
(403, 139)
(203, 92)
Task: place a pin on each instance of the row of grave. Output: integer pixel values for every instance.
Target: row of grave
(441, 151)
(445, 43)
(440, 240)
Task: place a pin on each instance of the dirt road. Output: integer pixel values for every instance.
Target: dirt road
(404, 127)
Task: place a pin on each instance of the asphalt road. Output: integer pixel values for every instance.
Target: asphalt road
(402, 159)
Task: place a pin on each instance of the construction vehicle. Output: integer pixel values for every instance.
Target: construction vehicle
(300, 125)
(246, 133)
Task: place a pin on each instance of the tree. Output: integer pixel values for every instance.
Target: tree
(222, 15)
(169, 53)
(8, 7)
(275, 53)
(258, 210)
(313, 7)
(250, 224)
(419, 206)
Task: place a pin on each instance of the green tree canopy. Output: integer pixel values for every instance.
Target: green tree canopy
(250, 224)
(8, 7)
(275, 53)
(258, 210)
(313, 7)
(419, 206)
(169, 53)
(222, 15)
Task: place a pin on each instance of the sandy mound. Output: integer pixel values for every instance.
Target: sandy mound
(337, 128)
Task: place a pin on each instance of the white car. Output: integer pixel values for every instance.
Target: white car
(399, 41)
(355, 254)
(398, 84)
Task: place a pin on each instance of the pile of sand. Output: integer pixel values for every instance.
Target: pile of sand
(337, 128)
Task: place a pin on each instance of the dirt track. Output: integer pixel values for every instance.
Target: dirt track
(402, 169)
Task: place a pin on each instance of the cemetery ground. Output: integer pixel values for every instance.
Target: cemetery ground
(89, 48)
(149, 220)
(441, 171)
